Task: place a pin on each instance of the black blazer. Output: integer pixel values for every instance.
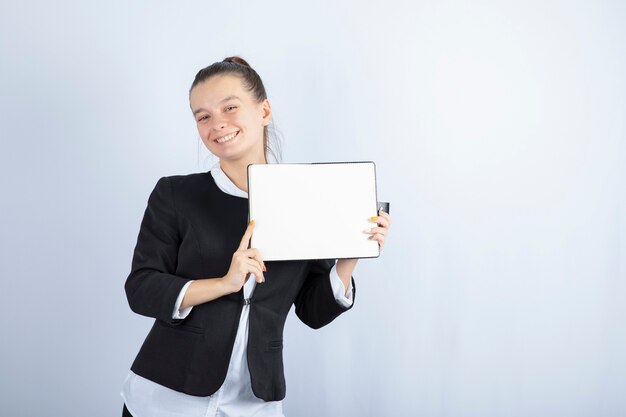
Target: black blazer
(190, 230)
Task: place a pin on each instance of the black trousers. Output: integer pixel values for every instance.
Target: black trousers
(125, 412)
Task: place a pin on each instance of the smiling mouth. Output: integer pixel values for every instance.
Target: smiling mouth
(227, 138)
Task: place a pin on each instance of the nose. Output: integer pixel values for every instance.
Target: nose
(218, 124)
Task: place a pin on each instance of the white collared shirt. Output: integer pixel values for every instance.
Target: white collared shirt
(146, 398)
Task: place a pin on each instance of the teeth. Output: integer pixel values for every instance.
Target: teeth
(226, 138)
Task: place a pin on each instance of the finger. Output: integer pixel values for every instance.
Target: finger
(385, 215)
(245, 240)
(254, 253)
(380, 220)
(381, 230)
(377, 236)
(253, 267)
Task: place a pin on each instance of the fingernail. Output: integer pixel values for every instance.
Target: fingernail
(264, 268)
(373, 218)
(252, 221)
(367, 230)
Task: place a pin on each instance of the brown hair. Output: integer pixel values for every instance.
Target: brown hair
(251, 81)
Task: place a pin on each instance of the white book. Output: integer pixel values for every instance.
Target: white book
(313, 210)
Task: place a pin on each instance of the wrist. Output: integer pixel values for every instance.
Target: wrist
(224, 286)
(345, 269)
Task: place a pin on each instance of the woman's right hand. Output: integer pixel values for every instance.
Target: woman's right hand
(245, 261)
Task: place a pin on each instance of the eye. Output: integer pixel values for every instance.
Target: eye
(229, 108)
(202, 118)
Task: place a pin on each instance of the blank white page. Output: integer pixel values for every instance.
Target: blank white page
(313, 210)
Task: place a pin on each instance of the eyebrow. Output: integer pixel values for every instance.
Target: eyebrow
(221, 101)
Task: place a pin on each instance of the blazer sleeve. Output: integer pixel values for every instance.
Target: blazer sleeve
(151, 287)
(315, 303)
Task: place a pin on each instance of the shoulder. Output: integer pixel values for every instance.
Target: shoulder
(182, 182)
(186, 178)
(180, 188)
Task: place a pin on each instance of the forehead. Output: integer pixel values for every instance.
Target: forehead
(211, 92)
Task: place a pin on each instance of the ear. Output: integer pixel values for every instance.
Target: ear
(266, 112)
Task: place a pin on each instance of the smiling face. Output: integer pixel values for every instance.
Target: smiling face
(229, 119)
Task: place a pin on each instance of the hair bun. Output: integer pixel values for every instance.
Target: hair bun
(237, 60)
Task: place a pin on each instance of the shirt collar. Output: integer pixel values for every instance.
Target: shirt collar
(224, 183)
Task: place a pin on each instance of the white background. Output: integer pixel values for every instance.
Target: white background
(498, 134)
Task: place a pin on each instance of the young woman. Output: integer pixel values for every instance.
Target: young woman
(215, 347)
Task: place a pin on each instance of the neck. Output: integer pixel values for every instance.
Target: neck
(237, 171)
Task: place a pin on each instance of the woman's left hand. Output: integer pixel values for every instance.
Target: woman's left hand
(379, 233)
(345, 267)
